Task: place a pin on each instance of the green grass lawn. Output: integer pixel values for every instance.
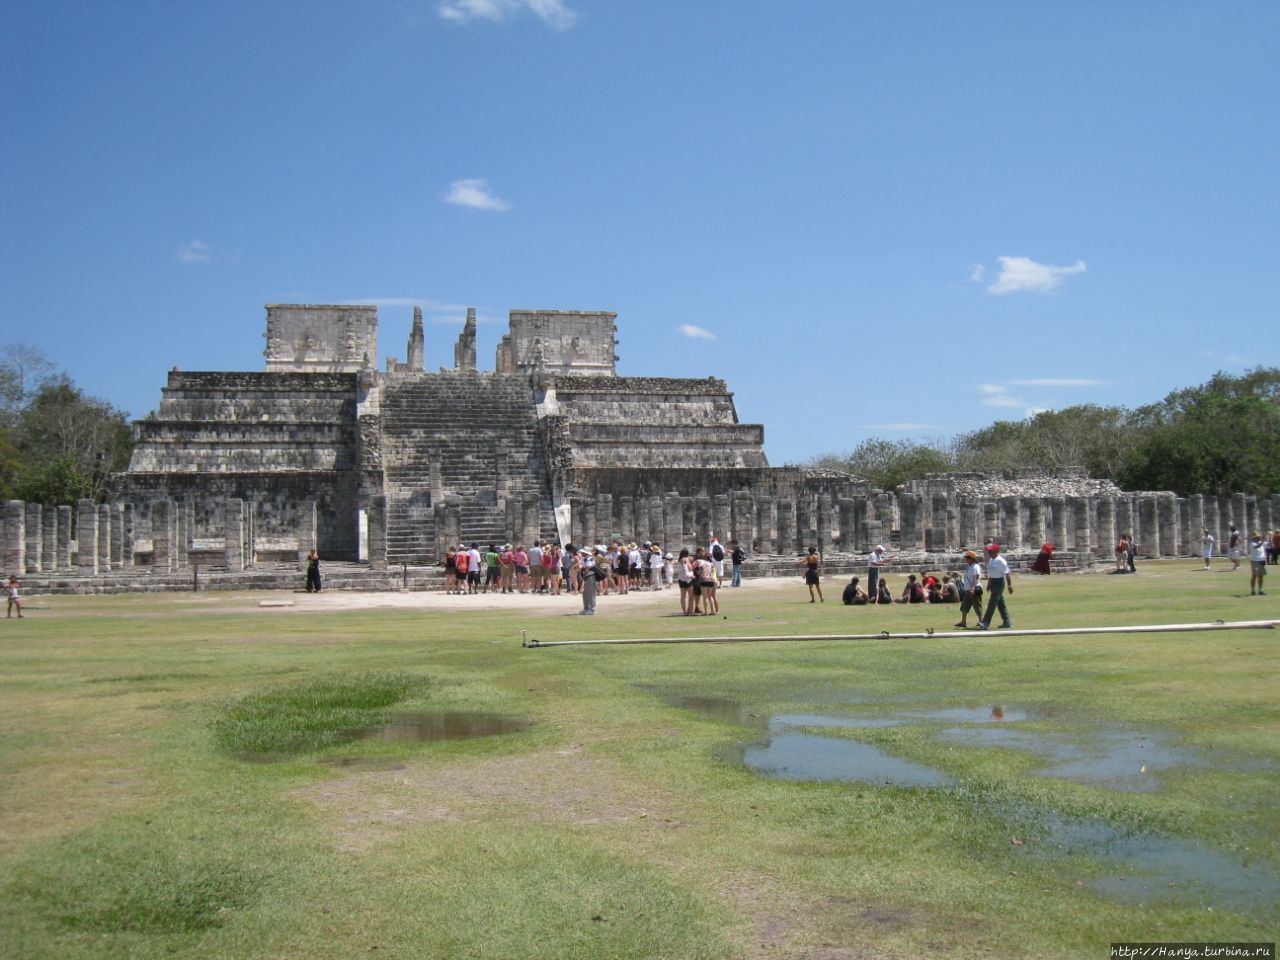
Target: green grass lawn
(180, 780)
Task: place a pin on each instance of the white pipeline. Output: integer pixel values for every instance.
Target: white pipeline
(932, 634)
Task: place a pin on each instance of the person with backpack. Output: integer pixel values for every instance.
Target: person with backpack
(715, 553)
(738, 557)
(461, 564)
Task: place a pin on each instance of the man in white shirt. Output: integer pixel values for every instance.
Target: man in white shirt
(999, 579)
(1257, 563)
(1206, 547)
(874, 563)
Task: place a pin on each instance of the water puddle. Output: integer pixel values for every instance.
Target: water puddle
(1114, 759)
(440, 725)
(803, 756)
(1151, 867)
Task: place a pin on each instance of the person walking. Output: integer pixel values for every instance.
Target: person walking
(1233, 549)
(1257, 564)
(1206, 547)
(999, 580)
(15, 601)
(970, 590)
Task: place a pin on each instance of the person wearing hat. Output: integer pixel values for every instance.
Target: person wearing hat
(874, 563)
(970, 589)
(999, 579)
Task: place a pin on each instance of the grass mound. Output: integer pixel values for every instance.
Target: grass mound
(304, 717)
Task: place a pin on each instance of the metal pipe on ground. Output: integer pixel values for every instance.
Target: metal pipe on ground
(927, 634)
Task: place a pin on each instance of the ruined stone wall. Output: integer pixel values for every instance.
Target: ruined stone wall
(305, 338)
(559, 341)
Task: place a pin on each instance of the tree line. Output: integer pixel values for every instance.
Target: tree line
(57, 444)
(1220, 437)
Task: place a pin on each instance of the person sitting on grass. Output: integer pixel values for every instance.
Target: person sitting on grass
(854, 595)
(882, 593)
(913, 592)
(951, 588)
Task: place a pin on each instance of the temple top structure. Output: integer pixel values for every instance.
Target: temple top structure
(315, 338)
(559, 341)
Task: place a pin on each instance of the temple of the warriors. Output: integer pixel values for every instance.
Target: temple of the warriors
(385, 466)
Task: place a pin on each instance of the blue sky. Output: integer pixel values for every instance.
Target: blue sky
(887, 219)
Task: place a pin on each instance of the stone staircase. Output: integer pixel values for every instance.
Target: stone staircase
(473, 436)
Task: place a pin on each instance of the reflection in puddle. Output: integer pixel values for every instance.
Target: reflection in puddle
(1118, 760)
(440, 725)
(1159, 868)
(802, 756)
(721, 708)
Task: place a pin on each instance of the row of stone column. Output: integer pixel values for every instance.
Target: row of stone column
(1162, 523)
(39, 539)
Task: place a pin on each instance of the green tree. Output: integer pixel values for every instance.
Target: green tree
(63, 432)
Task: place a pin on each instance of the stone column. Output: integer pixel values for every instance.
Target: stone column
(1240, 516)
(935, 539)
(626, 526)
(605, 523)
(766, 523)
(1195, 523)
(162, 534)
(689, 521)
(117, 536)
(1167, 521)
(233, 531)
(186, 533)
(1212, 523)
(720, 516)
(34, 546)
(104, 538)
(1083, 542)
(15, 535)
(87, 537)
(786, 527)
(990, 524)
(1011, 522)
(377, 532)
(1251, 517)
(127, 537)
(64, 537)
(846, 511)
(970, 524)
(673, 523)
(1147, 521)
(307, 530)
(49, 538)
(1035, 535)
(1106, 543)
(1265, 516)
(532, 518)
(825, 523)
(912, 532)
(1059, 507)
(742, 521)
(706, 520)
(859, 541)
(876, 531)
(657, 523)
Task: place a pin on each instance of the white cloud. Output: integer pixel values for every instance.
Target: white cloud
(991, 388)
(197, 251)
(474, 194)
(895, 426)
(978, 273)
(1057, 382)
(1020, 274)
(554, 13)
(696, 333)
(1001, 400)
